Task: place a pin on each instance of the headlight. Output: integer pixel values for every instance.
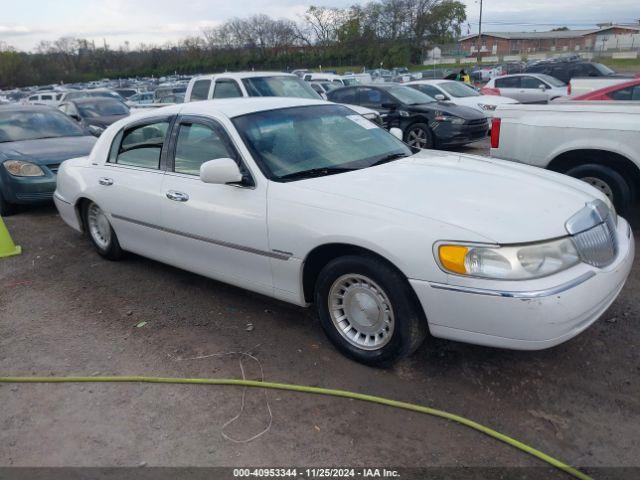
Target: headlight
(490, 108)
(18, 168)
(404, 113)
(517, 262)
(451, 119)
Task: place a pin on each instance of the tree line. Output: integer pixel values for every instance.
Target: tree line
(381, 32)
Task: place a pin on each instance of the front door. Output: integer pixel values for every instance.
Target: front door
(219, 231)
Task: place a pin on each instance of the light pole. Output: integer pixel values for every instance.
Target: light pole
(480, 33)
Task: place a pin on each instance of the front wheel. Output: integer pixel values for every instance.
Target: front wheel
(608, 181)
(100, 232)
(368, 311)
(419, 135)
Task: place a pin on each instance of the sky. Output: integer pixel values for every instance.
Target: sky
(24, 23)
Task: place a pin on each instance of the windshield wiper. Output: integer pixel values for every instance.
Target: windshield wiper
(316, 172)
(389, 158)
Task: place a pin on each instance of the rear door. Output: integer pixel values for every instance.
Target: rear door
(510, 87)
(128, 186)
(216, 230)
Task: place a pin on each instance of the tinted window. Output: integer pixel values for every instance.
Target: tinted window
(371, 97)
(428, 89)
(508, 82)
(626, 94)
(200, 90)
(31, 125)
(342, 95)
(531, 82)
(141, 146)
(197, 144)
(226, 89)
(46, 97)
(283, 86)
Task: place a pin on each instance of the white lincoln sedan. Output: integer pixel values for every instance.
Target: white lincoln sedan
(308, 202)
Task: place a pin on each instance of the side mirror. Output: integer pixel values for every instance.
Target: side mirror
(396, 132)
(542, 87)
(220, 171)
(440, 97)
(389, 106)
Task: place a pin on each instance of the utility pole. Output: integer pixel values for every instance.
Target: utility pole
(480, 33)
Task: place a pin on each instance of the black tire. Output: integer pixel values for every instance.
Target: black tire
(6, 208)
(112, 251)
(608, 181)
(410, 324)
(422, 130)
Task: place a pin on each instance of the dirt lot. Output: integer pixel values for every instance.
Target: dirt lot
(65, 311)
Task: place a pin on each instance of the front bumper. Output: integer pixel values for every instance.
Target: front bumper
(522, 318)
(27, 190)
(448, 134)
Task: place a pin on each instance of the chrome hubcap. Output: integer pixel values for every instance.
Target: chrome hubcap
(361, 312)
(99, 227)
(417, 138)
(600, 185)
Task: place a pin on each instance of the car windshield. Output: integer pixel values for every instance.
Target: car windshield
(20, 125)
(410, 96)
(283, 86)
(293, 143)
(553, 81)
(350, 81)
(603, 69)
(458, 90)
(102, 109)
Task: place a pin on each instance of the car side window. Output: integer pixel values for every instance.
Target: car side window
(430, 90)
(200, 90)
(343, 95)
(226, 88)
(141, 146)
(195, 145)
(372, 98)
(531, 82)
(508, 82)
(626, 94)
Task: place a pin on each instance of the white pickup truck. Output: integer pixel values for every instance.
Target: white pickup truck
(598, 142)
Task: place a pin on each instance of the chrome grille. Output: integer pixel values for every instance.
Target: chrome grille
(598, 244)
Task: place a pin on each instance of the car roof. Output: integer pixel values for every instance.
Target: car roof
(233, 107)
(241, 75)
(16, 107)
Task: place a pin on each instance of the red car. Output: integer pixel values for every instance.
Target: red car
(628, 91)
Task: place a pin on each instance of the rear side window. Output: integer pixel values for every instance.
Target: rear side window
(226, 88)
(200, 90)
(140, 146)
(508, 82)
(343, 95)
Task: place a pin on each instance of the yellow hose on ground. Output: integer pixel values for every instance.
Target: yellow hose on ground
(318, 391)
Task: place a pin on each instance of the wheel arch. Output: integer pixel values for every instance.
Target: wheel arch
(321, 255)
(620, 163)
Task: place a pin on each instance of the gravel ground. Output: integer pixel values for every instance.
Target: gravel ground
(65, 311)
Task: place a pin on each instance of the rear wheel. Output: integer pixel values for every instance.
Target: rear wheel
(419, 135)
(100, 232)
(608, 181)
(368, 311)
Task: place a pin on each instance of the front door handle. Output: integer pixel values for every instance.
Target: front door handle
(105, 181)
(177, 196)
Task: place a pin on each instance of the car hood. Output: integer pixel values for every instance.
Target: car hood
(448, 108)
(501, 201)
(47, 150)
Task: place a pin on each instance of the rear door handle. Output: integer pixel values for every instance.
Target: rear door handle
(105, 181)
(177, 196)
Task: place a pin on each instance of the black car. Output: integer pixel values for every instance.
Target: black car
(566, 70)
(424, 121)
(95, 113)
